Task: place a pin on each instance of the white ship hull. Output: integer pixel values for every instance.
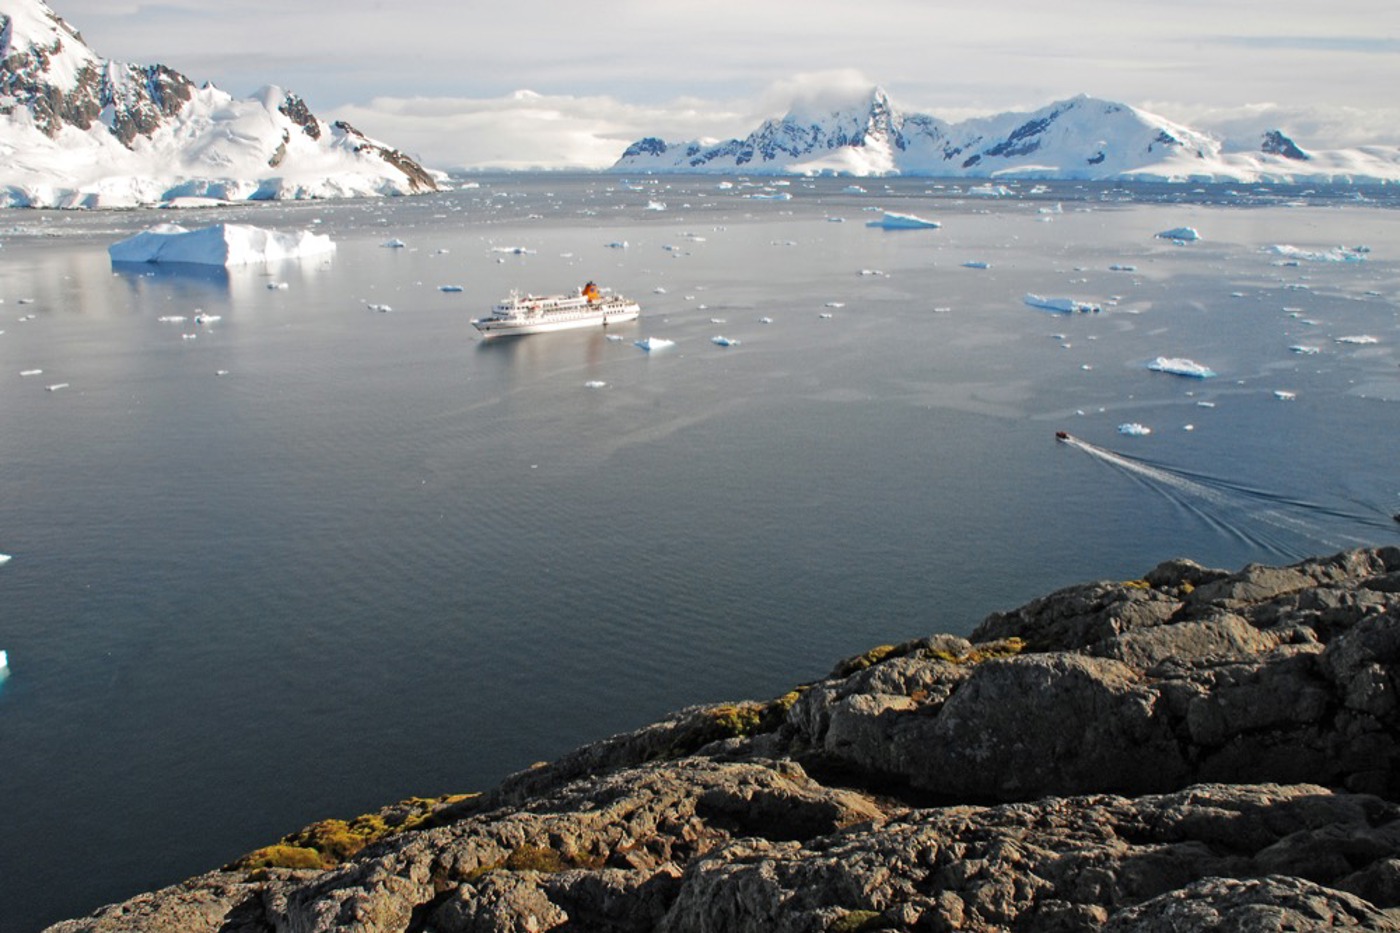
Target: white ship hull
(532, 315)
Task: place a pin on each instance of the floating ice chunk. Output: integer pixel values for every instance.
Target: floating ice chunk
(989, 191)
(219, 245)
(56, 386)
(893, 221)
(615, 338)
(382, 309)
(1339, 254)
(656, 205)
(765, 320)
(189, 336)
(1304, 349)
(616, 244)
(394, 244)
(172, 318)
(1064, 305)
(203, 318)
(31, 372)
(654, 343)
(1180, 366)
(826, 316)
(1283, 395)
(835, 304)
(853, 189)
(4, 655)
(1358, 339)
(1180, 234)
(976, 264)
(774, 196)
(836, 220)
(594, 384)
(722, 341)
(1134, 429)
(513, 250)
(4, 559)
(277, 286)
(221, 372)
(1122, 267)
(871, 272)
(1205, 404)
(658, 290)
(449, 288)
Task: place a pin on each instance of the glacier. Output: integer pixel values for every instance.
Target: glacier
(1082, 138)
(81, 131)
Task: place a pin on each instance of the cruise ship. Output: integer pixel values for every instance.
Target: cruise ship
(532, 314)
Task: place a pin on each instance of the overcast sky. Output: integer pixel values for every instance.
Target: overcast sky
(448, 80)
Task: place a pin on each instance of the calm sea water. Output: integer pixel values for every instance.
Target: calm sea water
(379, 557)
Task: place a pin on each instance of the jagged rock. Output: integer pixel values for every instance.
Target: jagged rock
(1194, 750)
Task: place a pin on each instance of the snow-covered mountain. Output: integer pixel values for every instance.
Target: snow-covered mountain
(77, 130)
(1080, 138)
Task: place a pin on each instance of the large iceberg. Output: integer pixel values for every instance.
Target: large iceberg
(1064, 305)
(1180, 366)
(1180, 234)
(219, 245)
(893, 221)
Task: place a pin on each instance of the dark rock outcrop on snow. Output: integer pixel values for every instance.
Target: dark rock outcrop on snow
(1193, 750)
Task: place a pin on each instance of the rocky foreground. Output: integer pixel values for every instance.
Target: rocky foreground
(1193, 750)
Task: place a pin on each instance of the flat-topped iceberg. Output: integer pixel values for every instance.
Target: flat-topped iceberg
(219, 245)
(1180, 366)
(1063, 305)
(893, 221)
(1180, 234)
(654, 343)
(1338, 254)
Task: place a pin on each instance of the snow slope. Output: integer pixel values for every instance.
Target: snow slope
(1080, 138)
(77, 130)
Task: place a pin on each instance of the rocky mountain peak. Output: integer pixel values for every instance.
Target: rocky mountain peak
(1275, 143)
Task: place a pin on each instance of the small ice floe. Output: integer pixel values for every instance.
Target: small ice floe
(853, 189)
(1063, 305)
(277, 286)
(722, 341)
(1283, 395)
(31, 372)
(513, 250)
(1358, 339)
(594, 384)
(976, 264)
(892, 221)
(393, 244)
(656, 205)
(615, 338)
(56, 386)
(826, 315)
(204, 318)
(658, 290)
(942, 309)
(765, 320)
(1338, 254)
(1122, 267)
(221, 372)
(835, 304)
(989, 191)
(654, 343)
(4, 655)
(1134, 429)
(1180, 366)
(382, 309)
(1304, 349)
(449, 288)
(616, 244)
(1180, 234)
(836, 220)
(189, 336)
(1205, 404)
(4, 558)
(172, 319)
(871, 272)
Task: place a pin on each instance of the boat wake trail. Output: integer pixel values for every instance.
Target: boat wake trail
(1281, 525)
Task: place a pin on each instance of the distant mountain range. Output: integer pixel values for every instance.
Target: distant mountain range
(1081, 138)
(77, 130)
